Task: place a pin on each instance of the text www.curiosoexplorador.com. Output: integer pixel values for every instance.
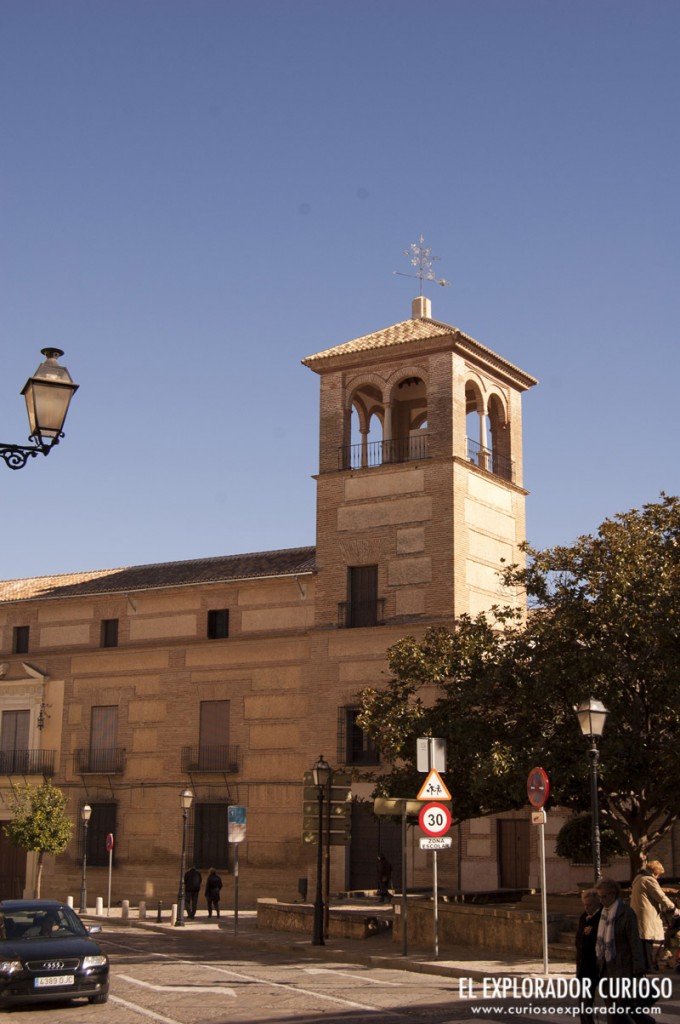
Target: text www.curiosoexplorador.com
(561, 1011)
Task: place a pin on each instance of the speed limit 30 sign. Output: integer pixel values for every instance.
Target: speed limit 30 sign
(435, 819)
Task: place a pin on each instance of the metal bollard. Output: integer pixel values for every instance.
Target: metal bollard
(99, 906)
(159, 915)
(142, 910)
(125, 911)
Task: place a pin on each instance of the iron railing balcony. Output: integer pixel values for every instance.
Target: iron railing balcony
(491, 461)
(352, 614)
(27, 762)
(99, 762)
(378, 453)
(210, 759)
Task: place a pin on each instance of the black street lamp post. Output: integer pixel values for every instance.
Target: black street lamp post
(85, 814)
(592, 714)
(321, 773)
(185, 798)
(48, 394)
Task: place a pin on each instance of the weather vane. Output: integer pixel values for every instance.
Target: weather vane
(421, 257)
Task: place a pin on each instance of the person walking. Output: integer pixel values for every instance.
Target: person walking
(586, 958)
(384, 879)
(648, 900)
(192, 887)
(617, 947)
(212, 892)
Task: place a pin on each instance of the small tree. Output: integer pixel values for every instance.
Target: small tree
(40, 823)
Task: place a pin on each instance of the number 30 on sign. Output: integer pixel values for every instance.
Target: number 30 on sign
(435, 819)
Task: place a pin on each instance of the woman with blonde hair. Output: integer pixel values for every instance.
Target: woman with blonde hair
(649, 901)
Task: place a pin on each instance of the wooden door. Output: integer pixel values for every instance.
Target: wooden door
(513, 854)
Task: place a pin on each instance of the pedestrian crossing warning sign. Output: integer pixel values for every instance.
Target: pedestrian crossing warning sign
(433, 788)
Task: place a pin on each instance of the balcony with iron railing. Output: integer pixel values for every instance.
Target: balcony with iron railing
(377, 453)
(489, 460)
(99, 762)
(27, 762)
(353, 614)
(223, 759)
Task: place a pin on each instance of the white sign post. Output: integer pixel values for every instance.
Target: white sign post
(435, 820)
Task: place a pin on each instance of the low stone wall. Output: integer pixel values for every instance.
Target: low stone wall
(502, 929)
(346, 923)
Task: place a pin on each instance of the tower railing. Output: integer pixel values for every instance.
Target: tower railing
(378, 453)
(491, 461)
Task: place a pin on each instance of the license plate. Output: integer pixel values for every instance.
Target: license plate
(54, 980)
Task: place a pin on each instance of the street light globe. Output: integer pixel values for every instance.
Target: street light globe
(185, 798)
(321, 772)
(48, 394)
(85, 813)
(591, 714)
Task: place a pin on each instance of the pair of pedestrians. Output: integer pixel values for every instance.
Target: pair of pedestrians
(192, 888)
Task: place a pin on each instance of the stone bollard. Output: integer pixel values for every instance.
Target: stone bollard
(142, 910)
(69, 902)
(125, 910)
(99, 906)
(173, 914)
(159, 914)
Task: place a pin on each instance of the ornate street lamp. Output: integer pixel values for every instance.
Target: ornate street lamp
(321, 773)
(185, 800)
(592, 714)
(48, 394)
(85, 814)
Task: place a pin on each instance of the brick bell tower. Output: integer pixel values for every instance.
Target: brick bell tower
(419, 492)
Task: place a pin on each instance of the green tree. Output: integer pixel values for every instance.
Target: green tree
(39, 823)
(604, 622)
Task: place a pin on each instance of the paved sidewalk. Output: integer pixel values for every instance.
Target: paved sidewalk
(379, 950)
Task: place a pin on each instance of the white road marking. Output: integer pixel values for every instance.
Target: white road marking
(354, 975)
(291, 988)
(178, 988)
(143, 1011)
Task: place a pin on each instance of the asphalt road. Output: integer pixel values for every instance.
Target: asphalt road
(181, 978)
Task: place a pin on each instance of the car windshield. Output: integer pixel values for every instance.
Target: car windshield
(39, 923)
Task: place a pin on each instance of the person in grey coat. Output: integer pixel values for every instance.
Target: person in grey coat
(618, 947)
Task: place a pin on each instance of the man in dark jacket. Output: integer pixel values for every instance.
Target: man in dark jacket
(192, 887)
(212, 892)
(586, 959)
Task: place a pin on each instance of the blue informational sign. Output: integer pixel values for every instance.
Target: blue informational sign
(236, 823)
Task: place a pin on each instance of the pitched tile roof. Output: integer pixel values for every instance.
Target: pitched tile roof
(221, 569)
(418, 329)
(398, 334)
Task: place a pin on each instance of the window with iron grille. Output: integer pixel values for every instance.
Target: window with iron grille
(109, 636)
(218, 623)
(102, 821)
(362, 595)
(20, 639)
(355, 746)
(213, 735)
(210, 836)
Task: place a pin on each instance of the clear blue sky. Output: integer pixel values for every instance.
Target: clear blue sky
(196, 194)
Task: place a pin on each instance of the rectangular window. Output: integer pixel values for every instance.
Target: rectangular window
(14, 753)
(213, 736)
(20, 639)
(210, 836)
(362, 595)
(102, 822)
(354, 745)
(103, 739)
(218, 624)
(109, 636)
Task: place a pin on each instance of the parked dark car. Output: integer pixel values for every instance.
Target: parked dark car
(47, 955)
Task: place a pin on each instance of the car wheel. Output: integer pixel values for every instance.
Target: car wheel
(103, 997)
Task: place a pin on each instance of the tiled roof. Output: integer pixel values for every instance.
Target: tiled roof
(287, 562)
(397, 334)
(418, 329)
